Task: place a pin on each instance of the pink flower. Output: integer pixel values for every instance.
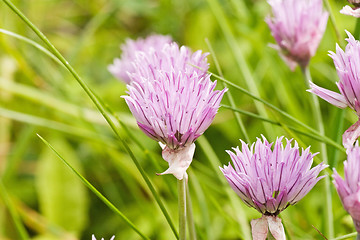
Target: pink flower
(122, 66)
(271, 180)
(297, 27)
(172, 101)
(347, 66)
(349, 188)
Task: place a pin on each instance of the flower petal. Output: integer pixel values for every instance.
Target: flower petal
(351, 135)
(334, 98)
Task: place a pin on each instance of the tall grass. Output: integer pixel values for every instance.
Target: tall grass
(67, 41)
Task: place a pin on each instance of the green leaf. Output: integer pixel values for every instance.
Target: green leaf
(62, 198)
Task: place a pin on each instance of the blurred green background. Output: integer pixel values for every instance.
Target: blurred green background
(37, 95)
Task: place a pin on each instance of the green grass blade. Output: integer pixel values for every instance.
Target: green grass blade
(96, 192)
(189, 215)
(347, 236)
(13, 213)
(333, 22)
(17, 152)
(97, 103)
(215, 164)
(228, 94)
(269, 105)
(237, 52)
(31, 42)
(320, 125)
(46, 123)
(48, 100)
(318, 137)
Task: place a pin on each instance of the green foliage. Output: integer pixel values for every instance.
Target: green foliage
(62, 198)
(38, 95)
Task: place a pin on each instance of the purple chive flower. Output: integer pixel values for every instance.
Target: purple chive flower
(349, 188)
(94, 238)
(355, 11)
(173, 102)
(271, 180)
(347, 66)
(170, 58)
(123, 65)
(297, 27)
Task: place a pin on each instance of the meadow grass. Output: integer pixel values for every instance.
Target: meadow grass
(54, 82)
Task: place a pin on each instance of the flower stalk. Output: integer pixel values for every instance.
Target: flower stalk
(189, 215)
(182, 208)
(315, 107)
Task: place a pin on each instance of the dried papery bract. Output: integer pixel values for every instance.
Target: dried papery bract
(123, 65)
(173, 102)
(349, 187)
(298, 27)
(352, 11)
(347, 66)
(94, 238)
(270, 180)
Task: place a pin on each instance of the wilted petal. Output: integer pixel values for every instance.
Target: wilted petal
(276, 227)
(179, 160)
(347, 10)
(351, 135)
(259, 228)
(332, 97)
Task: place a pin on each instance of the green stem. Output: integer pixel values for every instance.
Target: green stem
(189, 215)
(347, 236)
(97, 103)
(228, 94)
(270, 236)
(311, 135)
(318, 119)
(182, 208)
(31, 42)
(237, 206)
(239, 57)
(95, 191)
(357, 29)
(268, 104)
(333, 22)
(13, 213)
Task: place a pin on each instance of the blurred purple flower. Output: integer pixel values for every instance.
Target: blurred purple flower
(170, 58)
(271, 180)
(94, 238)
(347, 66)
(298, 27)
(355, 11)
(173, 102)
(349, 188)
(123, 65)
